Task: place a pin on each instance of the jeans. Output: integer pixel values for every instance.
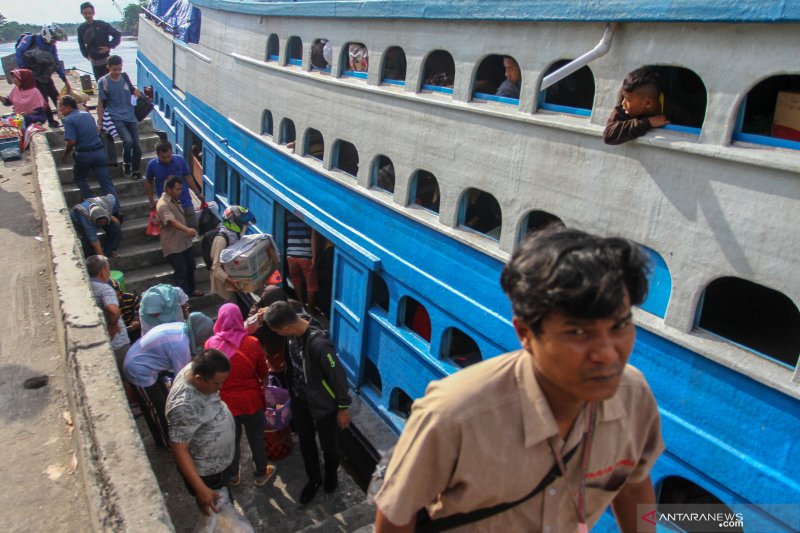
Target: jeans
(49, 91)
(254, 429)
(98, 162)
(131, 149)
(183, 264)
(327, 429)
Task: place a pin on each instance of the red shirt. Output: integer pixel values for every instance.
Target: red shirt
(243, 391)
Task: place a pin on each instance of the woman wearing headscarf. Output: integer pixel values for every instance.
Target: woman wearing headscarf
(243, 391)
(162, 304)
(25, 97)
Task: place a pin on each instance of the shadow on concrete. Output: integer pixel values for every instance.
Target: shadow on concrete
(17, 214)
(19, 403)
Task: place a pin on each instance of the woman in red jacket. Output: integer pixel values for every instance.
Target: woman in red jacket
(243, 391)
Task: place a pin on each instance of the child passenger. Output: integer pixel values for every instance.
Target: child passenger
(25, 97)
(639, 110)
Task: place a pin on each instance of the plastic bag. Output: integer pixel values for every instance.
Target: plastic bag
(153, 225)
(227, 519)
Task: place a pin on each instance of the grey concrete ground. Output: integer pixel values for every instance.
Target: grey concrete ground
(41, 490)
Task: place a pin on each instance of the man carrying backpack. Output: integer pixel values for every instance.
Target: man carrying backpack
(96, 39)
(39, 54)
(114, 94)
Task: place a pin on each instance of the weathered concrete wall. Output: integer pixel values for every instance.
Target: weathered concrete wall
(122, 491)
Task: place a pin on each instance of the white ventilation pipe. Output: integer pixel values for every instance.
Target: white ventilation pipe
(598, 51)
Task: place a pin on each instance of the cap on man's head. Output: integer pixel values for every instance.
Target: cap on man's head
(97, 212)
(236, 216)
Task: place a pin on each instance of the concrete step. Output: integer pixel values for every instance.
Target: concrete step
(65, 174)
(56, 137)
(136, 256)
(143, 278)
(358, 517)
(126, 188)
(135, 207)
(147, 141)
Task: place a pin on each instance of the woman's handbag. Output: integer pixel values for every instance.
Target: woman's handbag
(278, 412)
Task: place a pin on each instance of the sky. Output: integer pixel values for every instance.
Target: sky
(42, 11)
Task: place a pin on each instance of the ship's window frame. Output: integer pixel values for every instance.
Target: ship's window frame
(482, 96)
(307, 140)
(378, 288)
(273, 45)
(412, 191)
(464, 212)
(335, 160)
(525, 229)
(221, 180)
(378, 164)
(285, 123)
(447, 348)
(424, 74)
(317, 68)
(659, 280)
(755, 138)
(372, 376)
(753, 317)
(392, 81)
(344, 62)
(267, 125)
(564, 109)
(291, 59)
(400, 403)
(677, 491)
(168, 112)
(407, 311)
(675, 69)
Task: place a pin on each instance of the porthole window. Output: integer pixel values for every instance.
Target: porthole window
(383, 174)
(321, 55)
(480, 212)
(770, 113)
(659, 284)
(400, 403)
(346, 158)
(168, 112)
(355, 60)
(273, 47)
(573, 95)
(394, 66)
(682, 98)
(315, 144)
(294, 51)
(439, 73)
(372, 376)
(288, 133)
(221, 179)
(498, 79)
(266, 123)
(460, 349)
(538, 220)
(677, 491)
(416, 318)
(754, 316)
(380, 292)
(425, 191)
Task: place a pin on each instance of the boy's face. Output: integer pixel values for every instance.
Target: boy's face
(88, 14)
(579, 359)
(115, 71)
(636, 105)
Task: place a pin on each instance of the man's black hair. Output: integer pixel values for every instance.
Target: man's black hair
(163, 147)
(171, 181)
(68, 101)
(571, 271)
(85, 5)
(208, 363)
(279, 315)
(643, 78)
(114, 60)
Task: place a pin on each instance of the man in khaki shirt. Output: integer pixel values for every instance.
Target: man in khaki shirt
(489, 434)
(176, 236)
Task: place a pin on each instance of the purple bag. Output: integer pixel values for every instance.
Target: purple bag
(278, 413)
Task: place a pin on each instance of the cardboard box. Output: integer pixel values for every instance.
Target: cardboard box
(251, 260)
(786, 123)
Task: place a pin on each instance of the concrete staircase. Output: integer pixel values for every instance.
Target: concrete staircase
(140, 255)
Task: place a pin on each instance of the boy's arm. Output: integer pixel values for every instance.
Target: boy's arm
(620, 128)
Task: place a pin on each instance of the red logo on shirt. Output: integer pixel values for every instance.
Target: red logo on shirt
(609, 469)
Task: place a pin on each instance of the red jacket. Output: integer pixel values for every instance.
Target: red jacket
(243, 391)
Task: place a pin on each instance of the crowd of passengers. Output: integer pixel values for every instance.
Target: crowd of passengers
(172, 363)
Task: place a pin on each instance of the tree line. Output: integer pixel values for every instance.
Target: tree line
(11, 30)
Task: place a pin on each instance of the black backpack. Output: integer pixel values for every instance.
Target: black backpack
(207, 241)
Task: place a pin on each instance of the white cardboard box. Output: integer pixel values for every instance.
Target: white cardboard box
(251, 260)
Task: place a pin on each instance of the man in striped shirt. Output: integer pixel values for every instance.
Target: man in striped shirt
(301, 254)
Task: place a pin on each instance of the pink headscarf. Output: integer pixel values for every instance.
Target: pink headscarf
(228, 331)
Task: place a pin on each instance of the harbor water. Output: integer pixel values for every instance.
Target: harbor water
(69, 52)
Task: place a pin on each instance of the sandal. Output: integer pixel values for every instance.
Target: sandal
(262, 480)
(234, 482)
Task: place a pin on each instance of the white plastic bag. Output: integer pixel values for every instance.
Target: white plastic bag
(227, 519)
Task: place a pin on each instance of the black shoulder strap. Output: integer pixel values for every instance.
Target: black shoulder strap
(128, 81)
(462, 519)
